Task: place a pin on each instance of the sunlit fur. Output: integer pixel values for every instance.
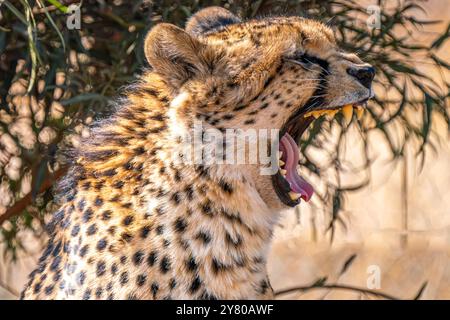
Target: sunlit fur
(135, 225)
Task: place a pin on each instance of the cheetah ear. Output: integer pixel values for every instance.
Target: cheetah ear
(176, 55)
(209, 19)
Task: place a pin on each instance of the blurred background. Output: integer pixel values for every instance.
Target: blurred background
(379, 224)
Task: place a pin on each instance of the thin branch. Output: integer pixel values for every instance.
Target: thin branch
(337, 286)
(20, 205)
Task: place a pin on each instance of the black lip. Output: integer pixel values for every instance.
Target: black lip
(282, 189)
(296, 126)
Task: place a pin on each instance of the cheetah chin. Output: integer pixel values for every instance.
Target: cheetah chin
(288, 184)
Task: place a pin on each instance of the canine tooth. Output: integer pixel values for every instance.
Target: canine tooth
(347, 111)
(280, 154)
(359, 112)
(281, 163)
(283, 172)
(294, 196)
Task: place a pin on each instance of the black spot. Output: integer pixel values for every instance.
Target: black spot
(140, 280)
(159, 230)
(164, 265)
(101, 244)
(189, 192)
(128, 220)
(87, 294)
(114, 268)
(112, 230)
(127, 237)
(81, 204)
(152, 257)
(172, 283)
(99, 185)
(98, 292)
(75, 230)
(124, 278)
(233, 241)
(218, 266)
(81, 277)
(87, 215)
(191, 264)
(264, 105)
(138, 257)
(106, 215)
(123, 259)
(118, 184)
(109, 173)
(206, 207)
(55, 263)
(145, 231)
(49, 289)
(160, 211)
(264, 285)
(57, 249)
(84, 250)
(204, 236)
(195, 285)
(128, 166)
(249, 121)
(116, 198)
(225, 186)
(101, 268)
(228, 117)
(92, 229)
(180, 225)
(154, 289)
(98, 202)
(139, 150)
(175, 198)
(86, 185)
(177, 176)
(37, 287)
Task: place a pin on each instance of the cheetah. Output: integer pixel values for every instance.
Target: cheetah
(134, 223)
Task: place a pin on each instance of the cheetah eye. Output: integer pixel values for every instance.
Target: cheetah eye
(305, 60)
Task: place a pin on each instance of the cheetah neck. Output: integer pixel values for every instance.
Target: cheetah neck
(137, 225)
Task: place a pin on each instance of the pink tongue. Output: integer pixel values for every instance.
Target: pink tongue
(290, 157)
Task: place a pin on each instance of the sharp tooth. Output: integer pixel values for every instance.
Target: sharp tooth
(281, 163)
(316, 114)
(280, 154)
(359, 112)
(283, 172)
(347, 110)
(331, 114)
(294, 196)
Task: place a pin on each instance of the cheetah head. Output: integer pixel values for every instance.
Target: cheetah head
(274, 73)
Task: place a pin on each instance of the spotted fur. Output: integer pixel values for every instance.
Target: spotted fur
(133, 223)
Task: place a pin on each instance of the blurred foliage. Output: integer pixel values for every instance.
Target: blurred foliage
(54, 82)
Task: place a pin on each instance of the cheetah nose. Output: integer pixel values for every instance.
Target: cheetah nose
(364, 75)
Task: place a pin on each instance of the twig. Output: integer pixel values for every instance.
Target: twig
(20, 205)
(337, 286)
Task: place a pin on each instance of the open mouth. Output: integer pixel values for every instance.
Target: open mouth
(288, 184)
